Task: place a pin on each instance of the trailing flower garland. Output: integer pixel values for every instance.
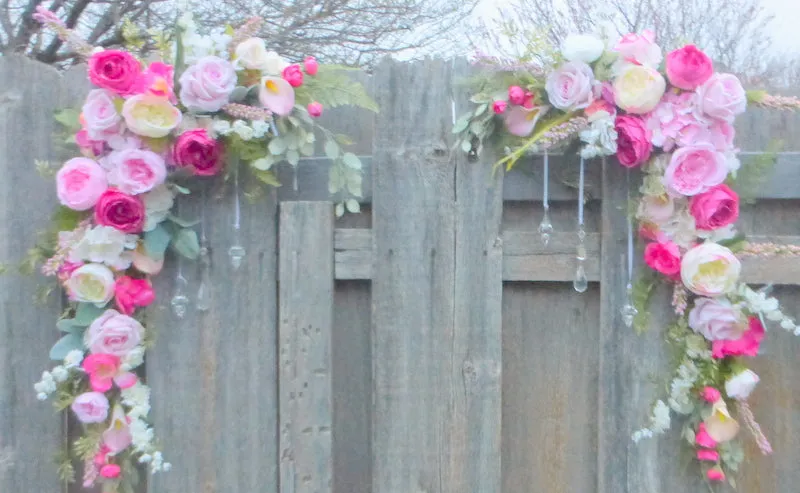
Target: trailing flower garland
(224, 103)
(674, 120)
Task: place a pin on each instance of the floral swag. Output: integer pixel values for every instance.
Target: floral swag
(673, 118)
(205, 106)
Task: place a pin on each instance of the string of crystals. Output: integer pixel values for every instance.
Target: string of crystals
(581, 282)
(546, 227)
(629, 311)
(180, 301)
(204, 297)
(236, 252)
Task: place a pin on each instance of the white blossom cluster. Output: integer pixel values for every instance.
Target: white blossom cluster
(256, 130)
(50, 379)
(767, 306)
(659, 423)
(680, 398)
(197, 46)
(137, 399)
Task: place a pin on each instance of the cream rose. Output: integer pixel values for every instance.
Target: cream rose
(252, 54)
(91, 283)
(638, 89)
(710, 270)
(150, 116)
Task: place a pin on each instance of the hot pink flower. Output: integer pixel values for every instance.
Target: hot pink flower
(131, 293)
(104, 371)
(688, 67)
(516, 95)
(120, 210)
(196, 150)
(311, 65)
(747, 345)
(90, 407)
(293, 75)
(633, 140)
(710, 395)
(715, 209)
(499, 106)
(707, 455)
(664, 258)
(693, 170)
(715, 474)
(80, 183)
(703, 439)
(110, 471)
(115, 70)
(157, 80)
(315, 109)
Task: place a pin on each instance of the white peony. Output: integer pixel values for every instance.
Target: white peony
(252, 54)
(710, 269)
(104, 245)
(157, 203)
(741, 385)
(582, 48)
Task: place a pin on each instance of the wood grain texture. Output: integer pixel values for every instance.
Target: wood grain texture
(29, 430)
(353, 253)
(412, 287)
(214, 374)
(304, 337)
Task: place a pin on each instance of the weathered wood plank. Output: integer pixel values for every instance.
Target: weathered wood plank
(304, 337)
(412, 286)
(353, 253)
(214, 374)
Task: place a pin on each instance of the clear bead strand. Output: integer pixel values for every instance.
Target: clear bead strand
(179, 301)
(236, 252)
(204, 298)
(629, 311)
(546, 227)
(581, 282)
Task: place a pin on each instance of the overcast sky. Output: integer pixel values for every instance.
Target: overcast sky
(786, 25)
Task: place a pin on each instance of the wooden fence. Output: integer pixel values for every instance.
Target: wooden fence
(430, 344)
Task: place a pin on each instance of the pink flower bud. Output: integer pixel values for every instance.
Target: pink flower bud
(311, 65)
(315, 109)
(715, 474)
(110, 471)
(516, 95)
(528, 103)
(707, 455)
(499, 106)
(710, 394)
(703, 439)
(293, 75)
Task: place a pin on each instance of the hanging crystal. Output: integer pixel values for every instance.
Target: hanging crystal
(204, 299)
(180, 301)
(629, 311)
(236, 252)
(546, 227)
(581, 282)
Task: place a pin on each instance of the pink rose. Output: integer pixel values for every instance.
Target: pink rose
(716, 319)
(715, 209)
(90, 407)
(131, 293)
(688, 67)
(196, 150)
(640, 49)
(516, 95)
(110, 471)
(157, 80)
(136, 171)
(570, 86)
(695, 169)
(721, 97)
(99, 115)
(293, 75)
(315, 109)
(664, 258)
(114, 70)
(710, 395)
(499, 106)
(311, 65)
(747, 345)
(207, 85)
(707, 455)
(703, 439)
(80, 183)
(715, 474)
(114, 333)
(120, 210)
(633, 140)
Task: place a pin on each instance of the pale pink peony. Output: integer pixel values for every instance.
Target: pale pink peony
(717, 319)
(90, 407)
(80, 183)
(721, 97)
(114, 333)
(695, 169)
(136, 171)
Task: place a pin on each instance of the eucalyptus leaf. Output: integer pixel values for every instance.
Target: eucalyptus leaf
(184, 223)
(334, 180)
(351, 160)
(156, 242)
(353, 206)
(293, 157)
(69, 342)
(267, 177)
(331, 149)
(68, 325)
(186, 243)
(238, 95)
(461, 125)
(480, 98)
(339, 210)
(86, 313)
(277, 146)
(481, 109)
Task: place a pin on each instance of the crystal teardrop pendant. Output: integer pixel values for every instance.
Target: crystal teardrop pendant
(236, 253)
(629, 313)
(581, 282)
(546, 227)
(204, 299)
(180, 302)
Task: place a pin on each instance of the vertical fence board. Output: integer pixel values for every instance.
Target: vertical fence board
(412, 287)
(306, 320)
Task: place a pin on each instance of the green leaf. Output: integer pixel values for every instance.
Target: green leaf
(69, 342)
(156, 242)
(331, 149)
(351, 160)
(734, 244)
(335, 180)
(69, 118)
(353, 206)
(238, 95)
(86, 314)
(332, 87)
(461, 125)
(65, 219)
(339, 210)
(267, 177)
(184, 223)
(481, 109)
(264, 163)
(68, 325)
(293, 157)
(277, 146)
(186, 243)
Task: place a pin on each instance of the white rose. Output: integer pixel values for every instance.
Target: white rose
(91, 283)
(740, 386)
(710, 270)
(638, 89)
(717, 319)
(104, 245)
(157, 203)
(274, 64)
(582, 48)
(252, 54)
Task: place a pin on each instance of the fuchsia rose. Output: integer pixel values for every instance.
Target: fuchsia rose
(110, 471)
(115, 70)
(131, 293)
(315, 109)
(715, 209)
(721, 97)
(693, 170)
(716, 319)
(688, 67)
(114, 333)
(664, 258)
(120, 210)
(293, 75)
(710, 395)
(715, 474)
(516, 95)
(703, 439)
(747, 345)
(136, 171)
(104, 371)
(707, 455)
(99, 115)
(80, 183)
(311, 65)
(196, 150)
(90, 407)
(157, 80)
(640, 49)
(570, 87)
(633, 140)
(499, 106)
(208, 84)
